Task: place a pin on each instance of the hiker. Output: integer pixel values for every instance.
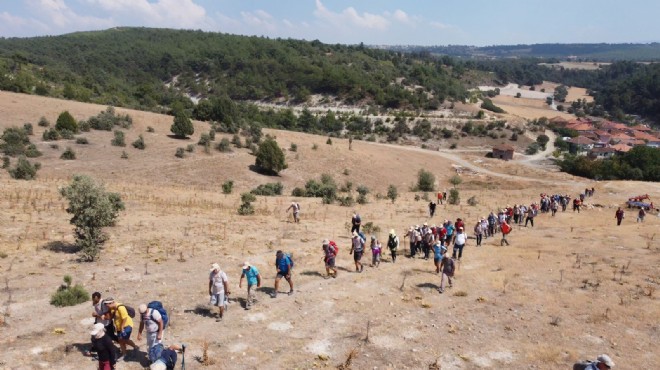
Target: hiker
(102, 345)
(440, 197)
(449, 236)
(376, 250)
(531, 213)
(576, 205)
(506, 229)
(123, 325)
(619, 215)
(484, 227)
(102, 315)
(295, 207)
(153, 322)
(439, 251)
(253, 278)
(459, 243)
(218, 289)
(478, 232)
(641, 214)
(432, 206)
(329, 254)
(393, 244)
(603, 362)
(284, 266)
(564, 202)
(427, 242)
(448, 267)
(357, 249)
(491, 224)
(164, 358)
(356, 221)
(554, 206)
(411, 235)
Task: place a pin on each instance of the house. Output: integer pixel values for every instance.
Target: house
(558, 121)
(602, 153)
(609, 125)
(580, 144)
(621, 148)
(503, 151)
(653, 143)
(641, 128)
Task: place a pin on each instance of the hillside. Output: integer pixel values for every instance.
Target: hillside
(569, 288)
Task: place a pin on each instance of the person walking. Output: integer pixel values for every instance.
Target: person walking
(356, 221)
(506, 229)
(284, 266)
(329, 254)
(123, 324)
(101, 314)
(554, 206)
(432, 206)
(295, 207)
(439, 251)
(459, 243)
(448, 267)
(531, 213)
(218, 289)
(153, 322)
(641, 214)
(253, 278)
(603, 362)
(376, 250)
(478, 232)
(619, 215)
(102, 345)
(357, 249)
(393, 244)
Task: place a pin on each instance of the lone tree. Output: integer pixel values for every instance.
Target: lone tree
(65, 121)
(93, 209)
(270, 158)
(425, 181)
(182, 126)
(455, 181)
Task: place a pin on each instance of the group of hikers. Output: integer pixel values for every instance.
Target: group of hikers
(114, 321)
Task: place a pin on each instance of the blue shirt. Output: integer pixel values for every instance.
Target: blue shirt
(283, 264)
(251, 275)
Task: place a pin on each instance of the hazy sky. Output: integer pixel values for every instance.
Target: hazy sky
(419, 22)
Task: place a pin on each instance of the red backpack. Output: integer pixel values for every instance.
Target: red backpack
(506, 228)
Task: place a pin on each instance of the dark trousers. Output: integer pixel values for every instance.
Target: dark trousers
(554, 211)
(491, 229)
(459, 249)
(479, 238)
(426, 249)
(393, 251)
(355, 228)
(530, 220)
(618, 221)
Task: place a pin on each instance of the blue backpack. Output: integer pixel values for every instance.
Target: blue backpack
(158, 306)
(165, 355)
(288, 257)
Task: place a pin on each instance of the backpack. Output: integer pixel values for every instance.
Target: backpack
(364, 237)
(451, 266)
(334, 247)
(129, 310)
(358, 219)
(159, 352)
(506, 228)
(158, 306)
(391, 242)
(288, 257)
(582, 365)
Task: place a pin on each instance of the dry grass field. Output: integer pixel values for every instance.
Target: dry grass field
(570, 288)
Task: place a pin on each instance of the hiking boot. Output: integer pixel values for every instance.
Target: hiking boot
(274, 295)
(290, 292)
(334, 276)
(440, 290)
(361, 268)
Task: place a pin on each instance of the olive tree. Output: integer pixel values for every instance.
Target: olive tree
(270, 158)
(93, 208)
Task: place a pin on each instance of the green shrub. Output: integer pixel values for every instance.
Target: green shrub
(270, 158)
(329, 141)
(29, 130)
(14, 141)
(293, 147)
(348, 187)
(454, 196)
(532, 149)
(68, 154)
(362, 199)
(180, 153)
(212, 135)
(204, 139)
(150, 129)
(67, 295)
(453, 146)
(223, 146)
(43, 122)
(82, 141)
(66, 134)
(472, 201)
(346, 201)
(54, 146)
(124, 155)
(119, 139)
(346, 172)
(84, 126)
(227, 187)
(107, 120)
(326, 188)
(190, 148)
(455, 180)
(370, 228)
(514, 136)
(488, 105)
(315, 147)
(236, 140)
(362, 190)
(248, 198)
(270, 189)
(392, 193)
(425, 181)
(24, 170)
(182, 126)
(139, 143)
(6, 162)
(65, 121)
(246, 209)
(50, 135)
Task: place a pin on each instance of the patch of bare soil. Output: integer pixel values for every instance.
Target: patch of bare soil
(571, 287)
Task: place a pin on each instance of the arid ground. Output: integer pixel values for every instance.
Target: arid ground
(572, 287)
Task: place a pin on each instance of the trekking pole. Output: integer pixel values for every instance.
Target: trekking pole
(183, 357)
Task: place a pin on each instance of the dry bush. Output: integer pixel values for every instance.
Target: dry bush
(205, 360)
(546, 355)
(347, 364)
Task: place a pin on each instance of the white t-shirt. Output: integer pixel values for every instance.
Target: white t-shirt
(149, 324)
(217, 280)
(460, 239)
(100, 310)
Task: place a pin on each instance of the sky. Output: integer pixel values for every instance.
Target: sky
(373, 22)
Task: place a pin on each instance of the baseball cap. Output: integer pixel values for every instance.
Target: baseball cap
(215, 266)
(606, 360)
(246, 265)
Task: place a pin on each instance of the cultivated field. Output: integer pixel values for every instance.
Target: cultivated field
(572, 287)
